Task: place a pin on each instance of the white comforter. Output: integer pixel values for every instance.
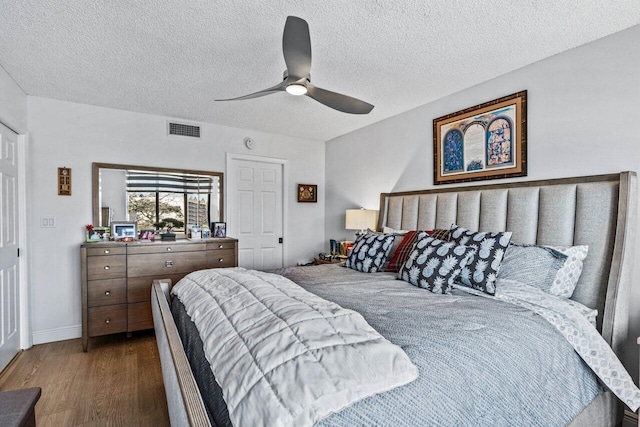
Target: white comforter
(283, 356)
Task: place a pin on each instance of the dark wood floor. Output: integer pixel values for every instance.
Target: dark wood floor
(117, 383)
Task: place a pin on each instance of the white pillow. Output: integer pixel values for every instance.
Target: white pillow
(389, 230)
(568, 275)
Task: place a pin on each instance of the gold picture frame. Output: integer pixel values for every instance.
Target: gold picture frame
(487, 141)
(64, 181)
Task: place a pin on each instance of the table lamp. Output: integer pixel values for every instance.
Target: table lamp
(360, 219)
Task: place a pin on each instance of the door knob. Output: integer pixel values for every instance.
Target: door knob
(107, 293)
(106, 267)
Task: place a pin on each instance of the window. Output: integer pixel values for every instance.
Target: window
(156, 200)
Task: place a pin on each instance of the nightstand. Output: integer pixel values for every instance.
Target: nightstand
(335, 259)
(318, 261)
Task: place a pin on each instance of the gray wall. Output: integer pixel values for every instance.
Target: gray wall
(75, 135)
(583, 119)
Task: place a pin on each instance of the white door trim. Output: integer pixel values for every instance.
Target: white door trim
(285, 186)
(25, 314)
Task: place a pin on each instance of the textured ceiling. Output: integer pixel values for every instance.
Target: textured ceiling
(173, 58)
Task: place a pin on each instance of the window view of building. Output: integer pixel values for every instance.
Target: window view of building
(158, 200)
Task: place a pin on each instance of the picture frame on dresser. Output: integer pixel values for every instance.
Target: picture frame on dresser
(124, 229)
(219, 229)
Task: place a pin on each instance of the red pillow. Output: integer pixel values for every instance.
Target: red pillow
(410, 239)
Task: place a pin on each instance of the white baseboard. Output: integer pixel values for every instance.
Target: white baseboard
(57, 334)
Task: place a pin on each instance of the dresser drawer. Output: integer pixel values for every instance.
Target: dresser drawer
(223, 244)
(160, 265)
(108, 319)
(163, 248)
(139, 315)
(139, 288)
(221, 258)
(106, 292)
(106, 267)
(122, 250)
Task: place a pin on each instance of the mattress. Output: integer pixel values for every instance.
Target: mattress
(481, 361)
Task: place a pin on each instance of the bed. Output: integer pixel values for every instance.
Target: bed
(599, 211)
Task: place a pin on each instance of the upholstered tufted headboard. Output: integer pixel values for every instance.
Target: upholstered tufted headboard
(598, 211)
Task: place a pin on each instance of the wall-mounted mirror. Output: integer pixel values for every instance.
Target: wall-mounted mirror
(155, 197)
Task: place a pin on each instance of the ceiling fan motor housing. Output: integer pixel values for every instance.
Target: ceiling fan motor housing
(285, 76)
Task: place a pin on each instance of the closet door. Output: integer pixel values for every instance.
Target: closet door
(9, 267)
(255, 212)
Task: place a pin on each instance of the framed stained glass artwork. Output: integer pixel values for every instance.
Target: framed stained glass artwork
(487, 141)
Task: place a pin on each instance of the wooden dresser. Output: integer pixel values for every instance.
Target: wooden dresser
(117, 278)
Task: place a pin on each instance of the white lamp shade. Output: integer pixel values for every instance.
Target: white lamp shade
(361, 219)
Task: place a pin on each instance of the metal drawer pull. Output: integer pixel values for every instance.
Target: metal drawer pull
(220, 260)
(169, 249)
(106, 267)
(106, 251)
(107, 293)
(220, 246)
(168, 264)
(107, 321)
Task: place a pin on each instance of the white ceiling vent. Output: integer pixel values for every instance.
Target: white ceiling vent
(182, 129)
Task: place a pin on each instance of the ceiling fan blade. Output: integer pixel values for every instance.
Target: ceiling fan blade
(337, 101)
(273, 89)
(296, 47)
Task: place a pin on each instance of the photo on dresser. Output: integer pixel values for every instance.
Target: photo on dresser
(124, 230)
(97, 234)
(219, 229)
(147, 235)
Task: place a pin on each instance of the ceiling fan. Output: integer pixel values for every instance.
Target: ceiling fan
(296, 47)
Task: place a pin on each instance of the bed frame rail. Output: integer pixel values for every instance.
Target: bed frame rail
(184, 401)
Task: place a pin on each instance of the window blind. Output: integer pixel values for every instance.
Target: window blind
(139, 181)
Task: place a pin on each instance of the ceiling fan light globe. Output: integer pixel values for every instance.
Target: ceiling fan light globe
(296, 89)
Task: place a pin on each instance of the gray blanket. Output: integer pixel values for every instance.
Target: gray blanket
(482, 362)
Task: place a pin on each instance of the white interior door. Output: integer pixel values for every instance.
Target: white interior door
(255, 212)
(9, 268)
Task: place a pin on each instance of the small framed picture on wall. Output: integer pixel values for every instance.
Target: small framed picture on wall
(219, 229)
(307, 193)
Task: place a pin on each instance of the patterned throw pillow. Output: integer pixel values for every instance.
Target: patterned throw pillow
(567, 277)
(434, 264)
(370, 251)
(482, 270)
(444, 235)
(401, 254)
